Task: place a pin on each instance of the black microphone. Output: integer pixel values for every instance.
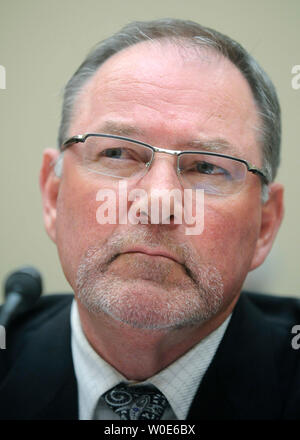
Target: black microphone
(22, 289)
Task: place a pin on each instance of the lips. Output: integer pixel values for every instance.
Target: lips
(155, 252)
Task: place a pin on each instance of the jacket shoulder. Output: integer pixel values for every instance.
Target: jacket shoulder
(276, 310)
(37, 379)
(47, 312)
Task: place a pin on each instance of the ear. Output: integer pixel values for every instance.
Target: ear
(49, 185)
(271, 216)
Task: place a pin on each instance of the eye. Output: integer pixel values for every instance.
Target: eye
(118, 153)
(113, 152)
(210, 168)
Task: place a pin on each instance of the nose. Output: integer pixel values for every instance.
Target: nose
(162, 173)
(162, 199)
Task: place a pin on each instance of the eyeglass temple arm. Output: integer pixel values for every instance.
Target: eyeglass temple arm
(261, 174)
(71, 141)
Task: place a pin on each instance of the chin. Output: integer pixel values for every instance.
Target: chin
(146, 305)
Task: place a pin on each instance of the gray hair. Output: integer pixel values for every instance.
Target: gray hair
(174, 30)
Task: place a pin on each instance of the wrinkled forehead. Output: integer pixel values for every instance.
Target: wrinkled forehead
(162, 72)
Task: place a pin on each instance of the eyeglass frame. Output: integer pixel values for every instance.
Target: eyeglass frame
(82, 138)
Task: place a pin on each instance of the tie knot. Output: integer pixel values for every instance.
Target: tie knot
(136, 402)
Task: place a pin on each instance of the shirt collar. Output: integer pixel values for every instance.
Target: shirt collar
(178, 382)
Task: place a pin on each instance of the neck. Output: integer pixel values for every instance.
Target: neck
(137, 353)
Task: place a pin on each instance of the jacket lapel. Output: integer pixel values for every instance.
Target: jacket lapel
(241, 382)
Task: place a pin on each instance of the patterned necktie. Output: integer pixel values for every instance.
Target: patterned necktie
(136, 402)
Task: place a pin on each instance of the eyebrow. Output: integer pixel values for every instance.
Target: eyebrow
(119, 128)
(218, 144)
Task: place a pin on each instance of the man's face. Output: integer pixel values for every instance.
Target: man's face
(156, 276)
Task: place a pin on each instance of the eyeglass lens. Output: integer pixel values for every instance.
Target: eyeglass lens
(124, 159)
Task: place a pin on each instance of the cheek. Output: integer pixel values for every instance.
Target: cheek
(77, 228)
(229, 238)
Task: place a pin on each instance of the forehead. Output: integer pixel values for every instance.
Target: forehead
(152, 84)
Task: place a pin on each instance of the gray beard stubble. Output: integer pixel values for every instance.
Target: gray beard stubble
(191, 302)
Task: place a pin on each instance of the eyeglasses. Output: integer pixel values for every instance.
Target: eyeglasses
(123, 158)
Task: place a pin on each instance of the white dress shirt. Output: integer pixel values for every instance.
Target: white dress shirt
(178, 382)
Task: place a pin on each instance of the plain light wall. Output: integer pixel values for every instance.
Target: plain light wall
(42, 42)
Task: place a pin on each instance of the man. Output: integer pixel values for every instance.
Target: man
(161, 106)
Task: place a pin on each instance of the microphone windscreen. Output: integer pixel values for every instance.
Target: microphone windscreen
(27, 282)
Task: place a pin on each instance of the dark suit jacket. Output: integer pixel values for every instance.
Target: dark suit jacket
(255, 373)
